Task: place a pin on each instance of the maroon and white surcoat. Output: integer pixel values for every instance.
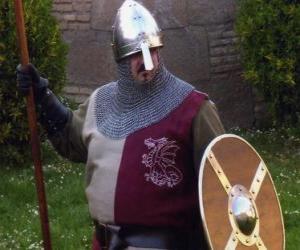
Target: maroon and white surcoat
(147, 178)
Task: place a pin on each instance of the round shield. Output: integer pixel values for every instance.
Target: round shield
(238, 201)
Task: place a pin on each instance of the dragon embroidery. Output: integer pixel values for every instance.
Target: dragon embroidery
(161, 162)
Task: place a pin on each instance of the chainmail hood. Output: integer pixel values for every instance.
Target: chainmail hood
(126, 106)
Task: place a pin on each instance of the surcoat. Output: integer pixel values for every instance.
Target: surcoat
(144, 173)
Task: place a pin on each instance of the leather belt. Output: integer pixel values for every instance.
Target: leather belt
(103, 235)
(144, 237)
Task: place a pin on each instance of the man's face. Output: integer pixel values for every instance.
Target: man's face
(138, 68)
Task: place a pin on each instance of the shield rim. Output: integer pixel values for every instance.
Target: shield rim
(200, 177)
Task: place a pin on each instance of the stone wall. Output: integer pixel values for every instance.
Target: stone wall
(200, 47)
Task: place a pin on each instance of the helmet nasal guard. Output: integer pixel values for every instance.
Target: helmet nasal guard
(135, 30)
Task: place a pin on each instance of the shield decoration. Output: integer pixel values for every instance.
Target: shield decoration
(238, 201)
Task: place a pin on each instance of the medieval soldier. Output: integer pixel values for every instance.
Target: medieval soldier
(141, 138)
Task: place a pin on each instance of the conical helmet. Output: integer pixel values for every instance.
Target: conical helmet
(135, 30)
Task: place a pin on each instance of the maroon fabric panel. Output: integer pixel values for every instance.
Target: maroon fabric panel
(157, 184)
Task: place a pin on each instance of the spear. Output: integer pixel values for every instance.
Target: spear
(35, 143)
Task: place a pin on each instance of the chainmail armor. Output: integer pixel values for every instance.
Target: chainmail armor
(126, 106)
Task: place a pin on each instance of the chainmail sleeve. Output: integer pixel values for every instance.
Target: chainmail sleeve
(68, 142)
(206, 126)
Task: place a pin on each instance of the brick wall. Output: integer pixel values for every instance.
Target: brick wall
(73, 15)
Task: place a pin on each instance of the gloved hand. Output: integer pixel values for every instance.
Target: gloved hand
(53, 115)
(29, 76)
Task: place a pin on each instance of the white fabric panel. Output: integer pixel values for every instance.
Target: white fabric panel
(102, 168)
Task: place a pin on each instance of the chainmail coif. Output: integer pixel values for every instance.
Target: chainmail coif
(126, 106)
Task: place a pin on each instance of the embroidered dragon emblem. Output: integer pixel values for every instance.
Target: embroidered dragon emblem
(161, 162)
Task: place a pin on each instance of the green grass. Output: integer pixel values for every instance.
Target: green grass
(71, 226)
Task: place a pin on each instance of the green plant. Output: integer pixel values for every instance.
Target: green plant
(47, 51)
(269, 33)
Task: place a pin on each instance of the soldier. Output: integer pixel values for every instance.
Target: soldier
(141, 138)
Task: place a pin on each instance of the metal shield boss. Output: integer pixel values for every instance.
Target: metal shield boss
(238, 201)
(135, 30)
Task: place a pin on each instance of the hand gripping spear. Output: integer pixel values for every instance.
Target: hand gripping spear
(35, 143)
